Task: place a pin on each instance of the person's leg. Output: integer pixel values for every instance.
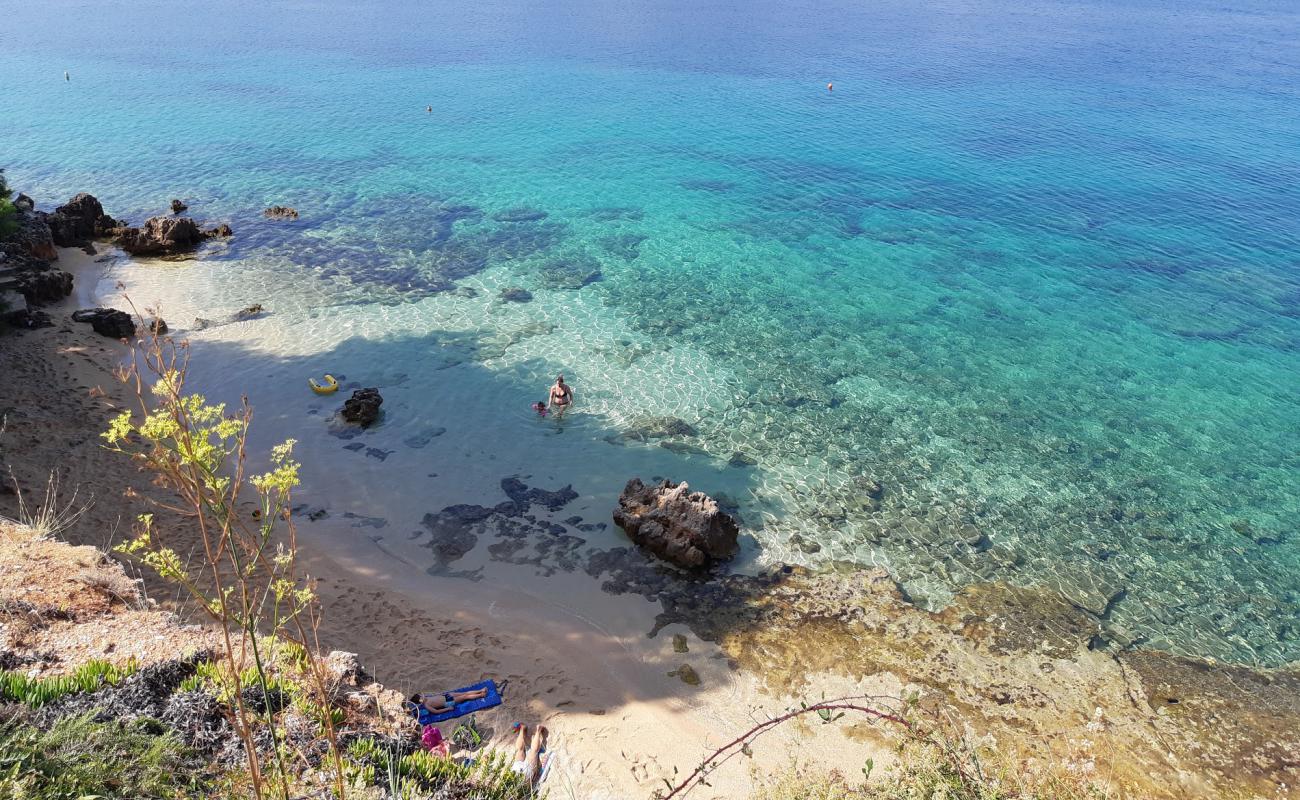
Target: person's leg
(521, 744)
(477, 694)
(533, 765)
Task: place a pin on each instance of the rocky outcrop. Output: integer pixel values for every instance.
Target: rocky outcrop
(42, 284)
(683, 527)
(79, 220)
(167, 236)
(33, 238)
(280, 212)
(160, 236)
(363, 407)
(178, 206)
(107, 322)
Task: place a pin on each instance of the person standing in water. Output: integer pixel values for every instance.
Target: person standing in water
(560, 398)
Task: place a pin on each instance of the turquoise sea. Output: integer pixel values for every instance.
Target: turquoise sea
(1033, 267)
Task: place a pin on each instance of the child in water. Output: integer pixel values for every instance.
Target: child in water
(540, 408)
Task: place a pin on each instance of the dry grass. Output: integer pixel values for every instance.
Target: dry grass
(61, 604)
(53, 514)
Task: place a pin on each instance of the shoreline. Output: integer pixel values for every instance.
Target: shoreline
(1017, 664)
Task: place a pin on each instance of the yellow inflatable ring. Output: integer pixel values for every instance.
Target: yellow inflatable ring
(329, 387)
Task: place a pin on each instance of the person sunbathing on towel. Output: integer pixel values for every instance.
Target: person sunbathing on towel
(438, 703)
(528, 759)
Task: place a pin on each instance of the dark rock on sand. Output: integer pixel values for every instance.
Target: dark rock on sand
(39, 286)
(280, 212)
(516, 295)
(178, 206)
(682, 527)
(363, 407)
(107, 322)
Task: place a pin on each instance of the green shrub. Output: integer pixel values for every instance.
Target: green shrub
(80, 758)
(8, 225)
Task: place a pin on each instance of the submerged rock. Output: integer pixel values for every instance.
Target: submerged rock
(280, 212)
(516, 295)
(683, 527)
(107, 321)
(363, 407)
(520, 215)
(649, 427)
(687, 674)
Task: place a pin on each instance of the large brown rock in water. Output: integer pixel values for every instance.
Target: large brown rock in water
(680, 526)
(161, 236)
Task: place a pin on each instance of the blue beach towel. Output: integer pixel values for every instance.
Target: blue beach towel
(427, 717)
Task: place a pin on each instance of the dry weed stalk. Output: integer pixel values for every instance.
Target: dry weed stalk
(246, 576)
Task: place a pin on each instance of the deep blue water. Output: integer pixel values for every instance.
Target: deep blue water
(1034, 266)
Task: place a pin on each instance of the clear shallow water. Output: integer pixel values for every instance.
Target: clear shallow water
(1034, 268)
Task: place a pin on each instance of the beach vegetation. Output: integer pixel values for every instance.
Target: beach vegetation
(80, 758)
(8, 223)
(34, 692)
(54, 513)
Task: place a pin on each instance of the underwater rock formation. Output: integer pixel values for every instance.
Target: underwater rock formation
(683, 527)
(280, 212)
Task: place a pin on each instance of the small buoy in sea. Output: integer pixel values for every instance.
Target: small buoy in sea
(428, 110)
(830, 87)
